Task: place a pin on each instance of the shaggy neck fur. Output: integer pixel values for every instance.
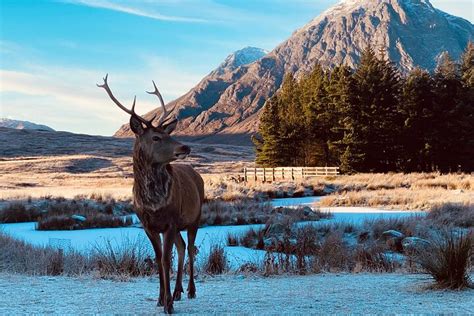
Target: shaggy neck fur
(152, 183)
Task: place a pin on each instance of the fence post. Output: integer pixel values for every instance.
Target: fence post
(245, 175)
(255, 174)
(273, 174)
(292, 175)
(264, 175)
(302, 173)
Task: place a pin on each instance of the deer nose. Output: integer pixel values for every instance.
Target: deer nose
(184, 149)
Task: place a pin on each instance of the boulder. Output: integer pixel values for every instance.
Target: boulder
(78, 218)
(415, 243)
(392, 234)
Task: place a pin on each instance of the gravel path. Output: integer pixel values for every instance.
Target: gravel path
(316, 294)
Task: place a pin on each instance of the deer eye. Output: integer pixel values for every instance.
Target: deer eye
(156, 138)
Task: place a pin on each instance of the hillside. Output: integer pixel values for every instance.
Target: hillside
(225, 106)
(17, 124)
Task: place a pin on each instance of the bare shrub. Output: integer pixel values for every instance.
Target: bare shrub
(216, 263)
(447, 259)
(94, 220)
(17, 212)
(334, 255)
(249, 239)
(232, 240)
(18, 256)
(129, 258)
(373, 257)
(248, 268)
(457, 214)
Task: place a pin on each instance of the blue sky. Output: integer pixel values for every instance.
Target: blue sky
(53, 52)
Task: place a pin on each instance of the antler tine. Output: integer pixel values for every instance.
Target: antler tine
(106, 87)
(165, 113)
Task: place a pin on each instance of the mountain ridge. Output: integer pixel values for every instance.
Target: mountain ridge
(225, 105)
(18, 124)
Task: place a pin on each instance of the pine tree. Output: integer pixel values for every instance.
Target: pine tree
(466, 107)
(373, 116)
(448, 115)
(292, 127)
(467, 65)
(268, 144)
(317, 113)
(418, 136)
(341, 99)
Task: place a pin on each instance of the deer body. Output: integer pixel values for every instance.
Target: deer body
(167, 197)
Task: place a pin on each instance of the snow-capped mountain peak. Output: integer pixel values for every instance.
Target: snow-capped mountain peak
(239, 58)
(17, 124)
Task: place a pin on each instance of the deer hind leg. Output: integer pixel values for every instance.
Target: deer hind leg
(156, 243)
(169, 239)
(192, 231)
(181, 246)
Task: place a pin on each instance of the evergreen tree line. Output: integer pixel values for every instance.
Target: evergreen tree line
(373, 119)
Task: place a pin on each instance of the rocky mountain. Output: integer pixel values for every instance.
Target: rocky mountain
(16, 124)
(225, 105)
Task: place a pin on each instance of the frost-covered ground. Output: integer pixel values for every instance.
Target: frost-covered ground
(315, 294)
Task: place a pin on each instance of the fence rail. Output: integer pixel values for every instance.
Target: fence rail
(287, 173)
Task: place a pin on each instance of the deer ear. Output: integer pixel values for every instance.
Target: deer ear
(169, 127)
(136, 126)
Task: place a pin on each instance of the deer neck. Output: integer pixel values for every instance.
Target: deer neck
(152, 183)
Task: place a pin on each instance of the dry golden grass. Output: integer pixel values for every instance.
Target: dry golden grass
(39, 164)
(415, 191)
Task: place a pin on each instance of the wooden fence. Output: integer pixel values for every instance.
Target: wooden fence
(287, 173)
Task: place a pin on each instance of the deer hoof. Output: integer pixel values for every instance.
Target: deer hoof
(169, 308)
(191, 295)
(176, 295)
(160, 301)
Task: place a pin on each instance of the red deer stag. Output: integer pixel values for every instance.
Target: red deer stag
(167, 197)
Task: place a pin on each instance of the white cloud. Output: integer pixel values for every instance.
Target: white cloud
(136, 8)
(67, 98)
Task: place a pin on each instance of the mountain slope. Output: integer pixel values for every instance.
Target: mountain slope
(225, 106)
(16, 124)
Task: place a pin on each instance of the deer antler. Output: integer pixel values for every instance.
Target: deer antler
(105, 85)
(164, 116)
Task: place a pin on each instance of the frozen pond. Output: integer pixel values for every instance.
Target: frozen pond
(85, 240)
(346, 214)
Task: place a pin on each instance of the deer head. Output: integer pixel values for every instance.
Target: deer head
(154, 142)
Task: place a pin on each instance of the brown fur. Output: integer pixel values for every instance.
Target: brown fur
(167, 198)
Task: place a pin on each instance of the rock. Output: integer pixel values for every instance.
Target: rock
(392, 234)
(78, 218)
(307, 211)
(415, 243)
(328, 189)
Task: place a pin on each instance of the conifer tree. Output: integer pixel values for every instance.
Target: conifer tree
(293, 133)
(373, 119)
(268, 144)
(417, 109)
(448, 114)
(317, 113)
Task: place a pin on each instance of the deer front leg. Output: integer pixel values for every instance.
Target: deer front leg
(169, 238)
(180, 245)
(192, 232)
(155, 240)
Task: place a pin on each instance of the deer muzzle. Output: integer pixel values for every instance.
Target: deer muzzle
(182, 152)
